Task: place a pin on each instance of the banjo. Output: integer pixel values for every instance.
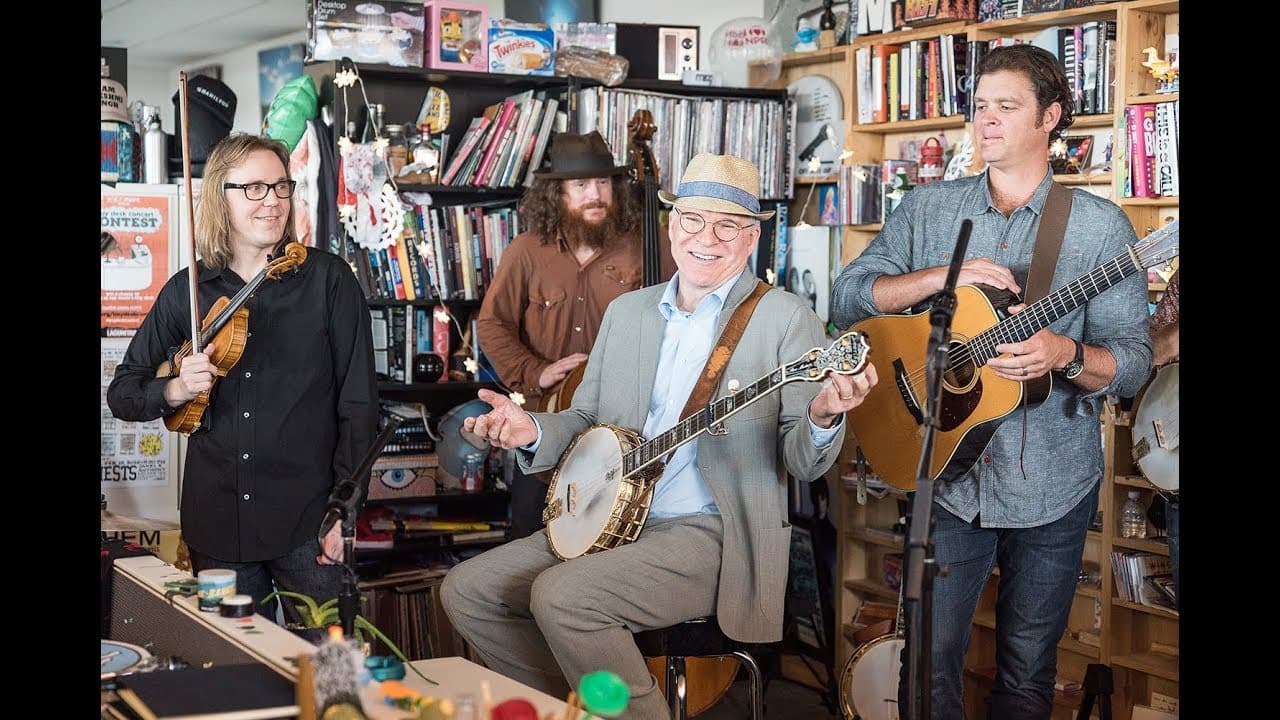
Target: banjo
(1156, 432)
(869, 680)
(599, 495)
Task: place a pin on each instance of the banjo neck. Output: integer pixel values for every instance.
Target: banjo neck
(705, 420)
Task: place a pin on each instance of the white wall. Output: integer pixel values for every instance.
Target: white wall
(240, 67)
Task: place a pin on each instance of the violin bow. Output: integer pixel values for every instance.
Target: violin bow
(191, 215)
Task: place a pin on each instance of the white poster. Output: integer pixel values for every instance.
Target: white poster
(809, 265)
(139, 459)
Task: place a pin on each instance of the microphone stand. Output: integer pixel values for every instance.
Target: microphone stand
(921, 566)
(345, 505)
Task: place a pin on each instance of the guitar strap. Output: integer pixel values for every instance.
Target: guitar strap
(1053, 225)
(701, 393)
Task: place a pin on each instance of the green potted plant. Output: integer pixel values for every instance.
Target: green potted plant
(316, 618)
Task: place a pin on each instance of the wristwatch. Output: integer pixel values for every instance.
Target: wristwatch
(1072, 370)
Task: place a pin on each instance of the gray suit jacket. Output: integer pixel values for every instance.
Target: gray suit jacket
(746, 469)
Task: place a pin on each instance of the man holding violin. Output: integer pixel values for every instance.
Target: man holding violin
(291, 415)
(580, 248)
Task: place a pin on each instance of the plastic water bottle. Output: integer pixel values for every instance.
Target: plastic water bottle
(1133, 518)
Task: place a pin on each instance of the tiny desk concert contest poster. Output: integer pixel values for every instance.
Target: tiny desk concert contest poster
(139, 460)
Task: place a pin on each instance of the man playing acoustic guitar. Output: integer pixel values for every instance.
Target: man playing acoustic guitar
(717, 539)
(579, 250)
(1027, 502)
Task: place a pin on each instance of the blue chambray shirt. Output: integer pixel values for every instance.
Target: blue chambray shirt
(687, 341)
(1032, 479)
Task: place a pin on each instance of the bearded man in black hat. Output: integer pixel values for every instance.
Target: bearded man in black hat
(580, 249)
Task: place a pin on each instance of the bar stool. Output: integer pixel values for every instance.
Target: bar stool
(701, 637)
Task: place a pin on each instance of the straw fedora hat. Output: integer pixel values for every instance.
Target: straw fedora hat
(719, 183)
(579, 156)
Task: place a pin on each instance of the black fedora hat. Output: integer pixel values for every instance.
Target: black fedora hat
(579, 156)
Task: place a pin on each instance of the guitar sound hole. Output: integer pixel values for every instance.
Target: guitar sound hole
(960, 373)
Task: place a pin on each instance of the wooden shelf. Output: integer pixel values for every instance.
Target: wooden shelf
(1103, 178)
(1070, 644)
(1152, 98)
(985, 618)
(861, 534)
(837, 54)
(1136, 481)
(1159, 547)
(867, 227)
(505, 193)
(871, 587)
(428, 302)
(1088, 121)
(1148, 609)
(1088, 591)
(1151, 663)
(928, 32)
(903, 126)
(1171, 201)
(1164, 7)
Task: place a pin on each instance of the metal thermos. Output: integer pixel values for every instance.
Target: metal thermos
(154, 162)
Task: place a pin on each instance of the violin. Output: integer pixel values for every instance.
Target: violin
(227, 326)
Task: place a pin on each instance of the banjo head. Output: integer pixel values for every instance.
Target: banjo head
(585, 488)
(869, 681)
(1156, 435)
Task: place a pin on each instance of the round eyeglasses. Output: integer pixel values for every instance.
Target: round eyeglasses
(258, 190)
(724, 230)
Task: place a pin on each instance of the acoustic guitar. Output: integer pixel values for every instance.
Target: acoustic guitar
(889, 423)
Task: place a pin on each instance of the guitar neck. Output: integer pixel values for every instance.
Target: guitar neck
(1041, 313)
(688, 429)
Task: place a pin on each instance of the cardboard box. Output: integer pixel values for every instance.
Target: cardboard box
(457, 36)
(517, 48)
(379, 33)
(916, 13)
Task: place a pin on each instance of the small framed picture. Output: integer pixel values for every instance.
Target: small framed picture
(458, 34)
(1070, 153)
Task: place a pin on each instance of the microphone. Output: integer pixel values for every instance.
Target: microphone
(349, 494)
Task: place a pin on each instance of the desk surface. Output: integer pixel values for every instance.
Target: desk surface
(458, 676)
(276, 647)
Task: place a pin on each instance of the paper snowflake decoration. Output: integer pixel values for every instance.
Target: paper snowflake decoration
(344, 145)
(471, 365)
(770, 276)
(517, 398)
(441, 315)
(390, 216)
(380, 145)
(845, 155)
(814, 164)
(346, 210)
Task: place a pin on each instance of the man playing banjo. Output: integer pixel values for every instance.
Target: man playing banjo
(717, 539)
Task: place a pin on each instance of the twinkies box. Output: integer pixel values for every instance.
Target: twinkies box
(517, 48)
(376, 33)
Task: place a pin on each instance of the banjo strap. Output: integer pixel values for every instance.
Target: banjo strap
(700, 396)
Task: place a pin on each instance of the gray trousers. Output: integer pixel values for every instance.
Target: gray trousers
(546, 622)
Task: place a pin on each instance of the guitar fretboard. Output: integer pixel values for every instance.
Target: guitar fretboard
(1049, 308)
(691, 427)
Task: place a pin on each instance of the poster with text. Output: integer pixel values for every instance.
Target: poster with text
(136, 231)
(139, 459)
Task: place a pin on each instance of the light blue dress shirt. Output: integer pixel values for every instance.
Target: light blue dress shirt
(687, 342)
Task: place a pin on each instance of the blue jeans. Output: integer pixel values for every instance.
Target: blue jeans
(1038, 571)
(296, 571)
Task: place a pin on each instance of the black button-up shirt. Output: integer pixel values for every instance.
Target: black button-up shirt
(291, 419)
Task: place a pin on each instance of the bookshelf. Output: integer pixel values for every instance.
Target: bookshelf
(1139, 642)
